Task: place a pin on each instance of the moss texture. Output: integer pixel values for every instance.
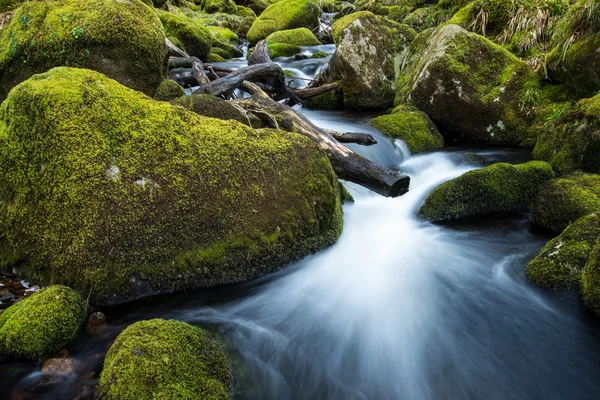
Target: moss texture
(103, 188)
(122, 39)
(590, 281)
(333, 100)
(499, 187)
(191, 34)
(369, 53)
(572, 141)
(218, 6)
(565, 200)
(283, 50)
(560, 263)
(472, 89)
(413, 127)
(298, 36)
(285, 14)
(40, 325)
(168, 90)
(164, 359)
(209, 106)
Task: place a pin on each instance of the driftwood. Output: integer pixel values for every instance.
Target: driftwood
(260, 55)
(175, 51)
(198, 72)
(347, 164)
(352, 137)
(309, 92)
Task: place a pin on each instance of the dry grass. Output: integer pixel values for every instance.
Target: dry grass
(583, 19)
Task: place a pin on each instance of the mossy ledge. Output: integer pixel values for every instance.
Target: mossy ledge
(499, 187)
(103, 188)
(40, 325)
(164, 359)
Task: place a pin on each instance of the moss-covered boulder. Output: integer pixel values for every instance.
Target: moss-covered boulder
(590, 281)
(565, 200)
(103, 188)
(164, 359)
(214, 107)
(572, 141)
(412, 126)
(122, 39)
(218, 6)
(283, 50)
(40, 325)
(560, 263)
(471, 88)
(499, 187)
(369, 51)
(168, 90)
(189, 33)
(298, 36)
(225, 42)
(285, 14)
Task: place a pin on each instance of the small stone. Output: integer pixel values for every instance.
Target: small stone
(61, 366)
(96, 323)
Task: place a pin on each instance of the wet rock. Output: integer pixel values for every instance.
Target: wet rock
(96, 323)
(62, 367)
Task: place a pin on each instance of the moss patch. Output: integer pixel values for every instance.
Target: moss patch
(283, 50)
(164, 359)
(499, 187)
(286, 14)
(590, 281)
(299, 37)
(191, 34)
(168, 90)
(40, 325)
(209, 106)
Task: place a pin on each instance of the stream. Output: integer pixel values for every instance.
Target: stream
(398, 308)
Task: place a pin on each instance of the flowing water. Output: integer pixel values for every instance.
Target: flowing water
(398, 308)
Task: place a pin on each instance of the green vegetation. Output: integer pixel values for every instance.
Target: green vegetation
(164, 359)
(283, 50)
(123, 40)
(40, 325)
(168, 90)
(299, 37)
(193, 37)
(565, 200)
(214, 107)
(590, 281)
(333, 100)
(411, 125)
(103, 188)
(285, 14)
(499, 187)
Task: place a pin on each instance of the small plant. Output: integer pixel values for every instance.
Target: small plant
(24, 19)
(77, 32)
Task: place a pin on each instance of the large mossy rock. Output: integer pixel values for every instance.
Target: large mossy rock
(413, 126)
(572, 141)
(103, 188)
(590, 281)
(565, 200)
(285, 14)
(164, 359)
(471, 88)
(499, 187)
(298, 36)
(189, 34)
(560, 263)
(122, 39)
(369, 51)
(214, 107)
(40, 325)
(168, 90)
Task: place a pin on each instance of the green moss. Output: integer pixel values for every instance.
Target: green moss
(103, 188)
(298, 36)
(427, 17)
(283, 50)
(164, 359)
(223, 35)
(590, 281)
(168, 90)
(499, 187)
(565, 200)
(214, 58)
(413, 127)
(463, 17)
(319, 54)
(218, 6)
(191, 34)
(123, 40)
(333, 100)
(40, 325)
(286, 14)
(6, 5)
(246, 12)
(345, 195)
(344, 22)
(209, 106)
(560, 263)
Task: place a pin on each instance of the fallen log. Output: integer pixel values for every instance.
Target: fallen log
(347, 164)
(307, 93)
(260, 55)
(198, 72)
(352, 137)
(174, 51)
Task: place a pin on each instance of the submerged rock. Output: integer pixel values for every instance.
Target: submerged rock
(160, 359)
(122, 39)
(106, 189)
(413, 126)
(369, 51)
(40, 325)
(499, 187)
(560, 263)
(565, 200)
(471, 88)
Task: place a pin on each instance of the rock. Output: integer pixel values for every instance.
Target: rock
(218, 6)
(565, 200)
(283, 50)
(153, 198)
(299, 37)
(412, 126)
(61, 367)
(189, 34)
(40, 325)
(333, 100)
(122, 39)
(159, 359)
(590, 281)
(168, 90)
(474, 159)
(499, 187)
(258, 6)
(209, 106)
(285, 14)
(225, 42)
(369, 51)
(572, 141)
(471, 88)
(96, 323)
(214, 58)
(560, 263)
